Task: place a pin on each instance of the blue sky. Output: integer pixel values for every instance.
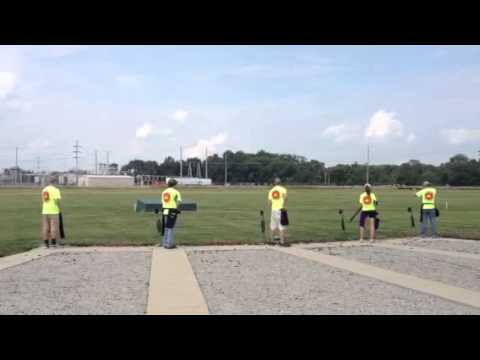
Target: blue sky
(322, 102)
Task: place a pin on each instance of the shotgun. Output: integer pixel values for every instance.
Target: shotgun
(356, 213)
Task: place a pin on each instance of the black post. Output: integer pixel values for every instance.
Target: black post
(412, 219)
(342, 219)
(262, 222)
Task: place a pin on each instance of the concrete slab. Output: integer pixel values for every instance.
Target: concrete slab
(174, 289)
(103, 249)
(17, 259)
(430, 251)
(224, 247)
(452, 293)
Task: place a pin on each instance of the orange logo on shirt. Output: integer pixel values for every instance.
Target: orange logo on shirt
(367, 200)
(166, 197)
(429, 196)
(276, 195)
(46, 196)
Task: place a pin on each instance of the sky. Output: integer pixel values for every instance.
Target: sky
(321, 102)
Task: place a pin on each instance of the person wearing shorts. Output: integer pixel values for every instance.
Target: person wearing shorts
(50, 213)
(369, 203)
(277, 198)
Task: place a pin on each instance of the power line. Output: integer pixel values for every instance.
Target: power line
(181, 162)
(368, 162)
(206, 163)
(96, 162)
(76, 152)
(226, 171)
(16, 165)
(199, 170)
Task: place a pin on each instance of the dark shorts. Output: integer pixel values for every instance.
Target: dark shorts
(365, 214)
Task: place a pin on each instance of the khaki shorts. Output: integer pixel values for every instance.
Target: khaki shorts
(50, 227)
(275, 222)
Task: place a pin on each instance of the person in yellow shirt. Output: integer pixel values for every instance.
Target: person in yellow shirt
(429, 211)
(50, 213)
(171, 200)
(368, 201)
(277, 198)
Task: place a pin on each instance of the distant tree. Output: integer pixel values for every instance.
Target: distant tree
(262, 167)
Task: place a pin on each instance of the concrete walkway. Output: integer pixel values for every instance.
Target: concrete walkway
(452, 293)
(430, 251)
(17, 259)
(174, 289)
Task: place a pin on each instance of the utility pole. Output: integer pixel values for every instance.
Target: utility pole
(190, 169)
(16, 165)
(96, 162)
(181, 162)
(38, 164)
(108, 162)
(226, 171)
(368, 163)
(76, 152)
(206, 163)
(199, 169)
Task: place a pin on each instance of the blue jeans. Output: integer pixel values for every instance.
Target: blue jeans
(429, 216)
(169, 238)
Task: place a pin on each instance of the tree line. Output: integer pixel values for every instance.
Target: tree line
(261, 167)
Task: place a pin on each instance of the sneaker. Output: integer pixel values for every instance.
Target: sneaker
(284, 244)
(171, 247)
(54, 244)
(46, 244)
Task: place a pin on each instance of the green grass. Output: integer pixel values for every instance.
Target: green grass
(224, 216)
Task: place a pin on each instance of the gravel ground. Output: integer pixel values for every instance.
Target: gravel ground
(270, 282)
(449, 270)
(471, 246)
(82, 283)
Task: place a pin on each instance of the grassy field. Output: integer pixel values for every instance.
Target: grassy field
(224, 216)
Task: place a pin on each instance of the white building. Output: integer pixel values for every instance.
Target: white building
(109, 181)
(191, 180)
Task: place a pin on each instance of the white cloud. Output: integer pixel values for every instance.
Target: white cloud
(147, 130)
(310, 68)
(128, 80)
(340, 133)
(8, 81)
(438, 53)
(461, 136)
(180, 116)
(144, 131)
(57, 51)
(211, 144)
(411, 138)
(164, 131)
(39, 144)
(383, 125)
